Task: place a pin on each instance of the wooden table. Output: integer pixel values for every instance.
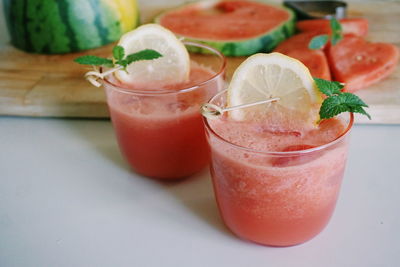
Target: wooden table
(53, 86)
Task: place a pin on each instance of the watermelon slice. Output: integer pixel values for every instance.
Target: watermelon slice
(236, 28)
(359, 63)
(298, 41)
(355, 26)
(315, 60)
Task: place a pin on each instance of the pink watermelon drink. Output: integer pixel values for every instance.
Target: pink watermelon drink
(275, 186)
(278, 149)
(159, 129)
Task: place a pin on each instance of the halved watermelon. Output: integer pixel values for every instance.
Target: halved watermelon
(315, 60)
(236, 28)
(56, 27)
(359, 63)
(355, 26)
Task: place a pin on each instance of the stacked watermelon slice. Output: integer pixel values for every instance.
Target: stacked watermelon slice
(353, 60)
(242, 28)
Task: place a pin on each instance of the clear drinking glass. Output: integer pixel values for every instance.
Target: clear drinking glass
(160, 131)
(276, 198)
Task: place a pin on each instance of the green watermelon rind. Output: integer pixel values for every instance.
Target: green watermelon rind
(265, 42)
(53, 27)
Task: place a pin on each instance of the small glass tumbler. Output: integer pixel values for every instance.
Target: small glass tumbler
(160, 131)
(276, 198)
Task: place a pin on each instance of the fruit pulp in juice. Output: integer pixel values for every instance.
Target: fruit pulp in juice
(162, 135)
(276, 200)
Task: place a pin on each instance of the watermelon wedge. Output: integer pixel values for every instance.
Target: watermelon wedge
(315, 60)
(355, 26)
(236, 28)
(359, 63)
(298, 41)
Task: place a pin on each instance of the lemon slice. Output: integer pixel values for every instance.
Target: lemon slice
(265, 76)
(172, 68)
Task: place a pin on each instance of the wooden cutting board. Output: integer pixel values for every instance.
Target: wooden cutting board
(53, 86)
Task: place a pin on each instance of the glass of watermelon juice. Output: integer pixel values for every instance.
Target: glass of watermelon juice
(160, 130)
(276, 187)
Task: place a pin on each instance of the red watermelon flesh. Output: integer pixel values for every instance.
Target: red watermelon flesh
(355, 26)
(315, 60)
(296, 159)
(298, 41)
(227, 20)
(359, 63)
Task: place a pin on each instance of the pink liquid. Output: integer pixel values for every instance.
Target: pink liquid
(162, 135)
(276, 200)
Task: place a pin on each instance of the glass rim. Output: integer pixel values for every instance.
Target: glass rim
(183, 90)
(281, 153)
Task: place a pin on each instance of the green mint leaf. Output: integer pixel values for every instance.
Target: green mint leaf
(353, 100)
(147, 54)
(118, 52)
(336, 28)
(318, 42)
(328, 88)
(332, 106)
(93, 60)
(336, 38)
(361, 110)
(335, 25)
(123, 63)
(345, 102)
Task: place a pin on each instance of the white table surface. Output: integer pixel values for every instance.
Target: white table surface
(67, 198)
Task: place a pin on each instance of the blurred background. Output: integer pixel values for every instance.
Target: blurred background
(148, 6)
(3, 30)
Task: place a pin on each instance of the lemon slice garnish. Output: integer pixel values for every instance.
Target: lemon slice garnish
(274, 75)
(172, 68)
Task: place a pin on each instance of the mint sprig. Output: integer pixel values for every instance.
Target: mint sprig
(336, 28)
(328, 88)
(119, 58)
(118, 52)
(338, 101)
(93, 60)
(320, 41)
(146, 54)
